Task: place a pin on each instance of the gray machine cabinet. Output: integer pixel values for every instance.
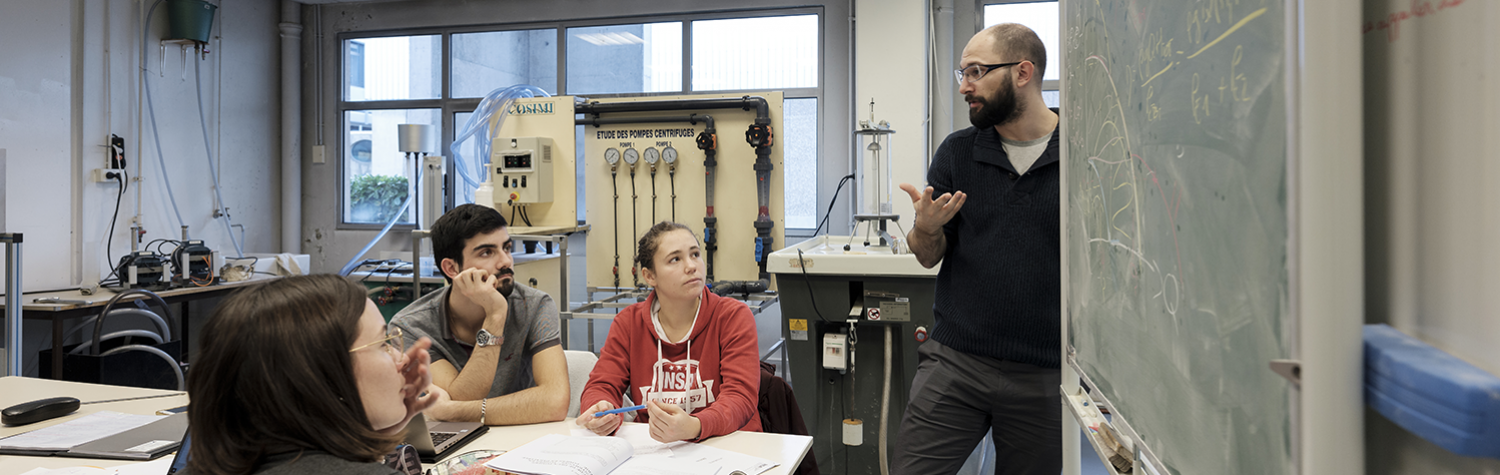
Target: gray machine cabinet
(827, 397)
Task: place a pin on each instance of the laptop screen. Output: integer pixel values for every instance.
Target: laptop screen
(181, 460)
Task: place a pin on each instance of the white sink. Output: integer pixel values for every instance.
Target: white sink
(825, 255)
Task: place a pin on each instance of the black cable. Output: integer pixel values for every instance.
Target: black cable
(807, 280)
(614, 184)
(634, 219)
(672, 176)
(513, 214)
(831, 202)
(109, 243)
(653, 198)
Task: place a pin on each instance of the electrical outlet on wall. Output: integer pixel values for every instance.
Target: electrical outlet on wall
(105, 175)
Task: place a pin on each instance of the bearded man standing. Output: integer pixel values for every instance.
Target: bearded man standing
(992, 361)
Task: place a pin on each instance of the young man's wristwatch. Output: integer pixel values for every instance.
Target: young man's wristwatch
(484, 338)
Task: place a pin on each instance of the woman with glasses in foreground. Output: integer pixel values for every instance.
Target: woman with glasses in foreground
(299, 375)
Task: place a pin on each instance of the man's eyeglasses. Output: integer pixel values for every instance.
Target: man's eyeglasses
(392, 341)
(975, 72)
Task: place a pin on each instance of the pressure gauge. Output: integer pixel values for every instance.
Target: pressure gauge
(631, 156)
(669, 155)
(652, 156)
(612, 156)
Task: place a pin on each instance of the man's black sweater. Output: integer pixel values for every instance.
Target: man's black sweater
(998, 289)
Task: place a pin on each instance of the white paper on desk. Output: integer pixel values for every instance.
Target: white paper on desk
(154, 467)
(729, 461)
(556, 454)
(665, 465)
(639, 436)
(77, 431)
(71, 471)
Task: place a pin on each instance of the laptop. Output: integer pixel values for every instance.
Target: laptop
(180, 461)
(435, 440)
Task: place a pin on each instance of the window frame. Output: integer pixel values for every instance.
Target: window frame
(1047, 84)
(450, 106)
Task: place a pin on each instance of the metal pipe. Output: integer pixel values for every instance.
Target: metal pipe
(762, 109)
(13, 350)
(291, 126)
(708, 141)
(691, 119)
(761, 138)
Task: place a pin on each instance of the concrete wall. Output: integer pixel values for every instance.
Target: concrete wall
(36, 102)
(75, 82)
(890, 38)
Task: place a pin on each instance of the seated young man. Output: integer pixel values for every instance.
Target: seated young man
(496, 350)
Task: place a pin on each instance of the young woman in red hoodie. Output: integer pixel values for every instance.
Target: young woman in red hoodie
(689, 354)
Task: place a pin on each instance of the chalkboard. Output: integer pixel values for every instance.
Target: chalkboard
(1177, 224)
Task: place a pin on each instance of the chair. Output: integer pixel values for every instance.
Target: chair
(779, 413)
(580, 364)
(129, 364)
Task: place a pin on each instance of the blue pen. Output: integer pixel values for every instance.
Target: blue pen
(620, 410)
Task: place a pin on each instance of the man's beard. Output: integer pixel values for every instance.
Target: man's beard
(1000, 109)
(505, 287)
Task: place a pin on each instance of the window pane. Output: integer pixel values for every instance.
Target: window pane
(483, 62)
(1052, 98)
(474, 164)
(1041, 17)
(799, 135)
(377, 174)
(755, 53)
(394, 68)
(625, 58)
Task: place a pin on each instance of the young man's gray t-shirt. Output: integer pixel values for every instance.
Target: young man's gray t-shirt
(531, 326)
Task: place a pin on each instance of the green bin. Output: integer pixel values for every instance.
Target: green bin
(190, 20)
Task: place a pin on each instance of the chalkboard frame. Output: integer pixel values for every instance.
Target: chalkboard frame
(1073, 371)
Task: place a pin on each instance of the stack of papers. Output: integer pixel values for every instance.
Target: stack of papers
(65, 436)
(109, 435)
(631, 451)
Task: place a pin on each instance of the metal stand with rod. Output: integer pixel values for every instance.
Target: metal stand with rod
(12, 243)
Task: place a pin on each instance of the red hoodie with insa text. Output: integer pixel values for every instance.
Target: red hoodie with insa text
(714, 374)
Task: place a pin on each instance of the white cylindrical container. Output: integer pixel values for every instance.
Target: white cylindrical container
(854, 432)
(873, 174)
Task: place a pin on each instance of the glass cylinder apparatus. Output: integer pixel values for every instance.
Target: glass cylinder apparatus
(873, 169)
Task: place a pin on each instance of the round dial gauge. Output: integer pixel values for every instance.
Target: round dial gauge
(669, 155)
(612, 156)
(631, 156)
(651, 155)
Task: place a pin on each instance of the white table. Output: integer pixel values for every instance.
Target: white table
(786, 449)
(15, 390)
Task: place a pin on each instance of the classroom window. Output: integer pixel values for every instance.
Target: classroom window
(393, 68)
(643, 57)
(380, 175)
(390, 80)
(799, 125)
(1041, 17)
(738, 54)
(485, 61)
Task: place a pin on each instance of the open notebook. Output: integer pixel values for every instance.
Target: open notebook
(624, 454)
(104, 434)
